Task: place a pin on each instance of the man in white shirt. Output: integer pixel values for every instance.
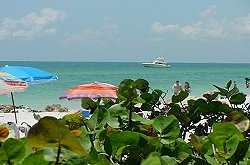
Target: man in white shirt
(177, 87)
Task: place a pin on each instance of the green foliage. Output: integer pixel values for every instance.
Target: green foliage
(49, 132)
(140, 127)
(11, 151)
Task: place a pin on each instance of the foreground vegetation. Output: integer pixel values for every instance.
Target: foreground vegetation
(137, 129)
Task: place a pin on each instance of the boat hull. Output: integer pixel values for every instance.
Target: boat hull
(155, 65)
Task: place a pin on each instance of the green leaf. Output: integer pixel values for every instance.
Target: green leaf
(233, 92)
(223, 91)
(142, 85)
(238, 98)
(180, 97)
(127, 89)
(93, 156)
(3, 157)
(49, 132)
(117, 140)
(36, 116)
(166, 160)
(229, 83)
(168, 127)
(14, 149)
(225, 133)
(152, 159)
(211, 160)
(183, 146)
(241, 121)
(118, 115)
(197, 142)
(99, 118)
(36, 158)
(231, 146)
(88, 103)
(147, 97)
(136, 117)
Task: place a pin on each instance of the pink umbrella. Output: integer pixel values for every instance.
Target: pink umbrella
(93, 90)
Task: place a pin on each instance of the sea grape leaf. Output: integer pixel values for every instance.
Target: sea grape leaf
(36, 116)
(238, 98)
(183, 146)
(127, 89)
(3, 157)
(166, 160)
(136, 117)
(225, 133)
(231, 144)
(142, 85)
(98, 119)
(36, 158)
(211, 160)
(117, 115)
(180, 97)
(168, 127)
(152, 159)
(88, 103)
(229, 83)
(12, 149)
(93, 156)
(197, 142)
(49, 132)
(156, 95)
(241, 121)
(233, 92)
(223, 92)
(147, 97)
(119, 139)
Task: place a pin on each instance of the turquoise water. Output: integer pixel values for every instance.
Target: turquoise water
(200, 76)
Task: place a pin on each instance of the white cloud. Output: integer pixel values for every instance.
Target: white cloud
(33, 24)
(210, 11)
(92, 37)
(191, 30)
(208, 28)
(160, 28)
(242, 25)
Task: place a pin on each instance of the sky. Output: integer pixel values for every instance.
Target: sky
(193, 31)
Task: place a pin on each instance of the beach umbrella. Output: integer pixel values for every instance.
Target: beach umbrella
(10, 84)
(29, 74)
(92, 90)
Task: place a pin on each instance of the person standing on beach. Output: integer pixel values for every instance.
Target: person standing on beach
(187, 87)
(235, 85)
(177, 87)
(247, 82)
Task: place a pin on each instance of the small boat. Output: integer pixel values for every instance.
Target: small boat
(158, 63)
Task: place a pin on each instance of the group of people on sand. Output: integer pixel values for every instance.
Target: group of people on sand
(177, 87)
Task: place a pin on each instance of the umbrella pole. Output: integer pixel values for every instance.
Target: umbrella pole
(13, 104)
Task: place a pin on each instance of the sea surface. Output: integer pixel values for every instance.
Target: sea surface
(201, 77)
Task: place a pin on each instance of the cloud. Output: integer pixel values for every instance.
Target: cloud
(208, 28)
(191, 30)
(92, 37)
(242, 25)
(31, 25)
(210, 11)
(160, 28)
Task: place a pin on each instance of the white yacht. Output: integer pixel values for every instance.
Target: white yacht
(158, 63)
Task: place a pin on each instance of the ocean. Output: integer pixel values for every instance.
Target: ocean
(201, 77)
